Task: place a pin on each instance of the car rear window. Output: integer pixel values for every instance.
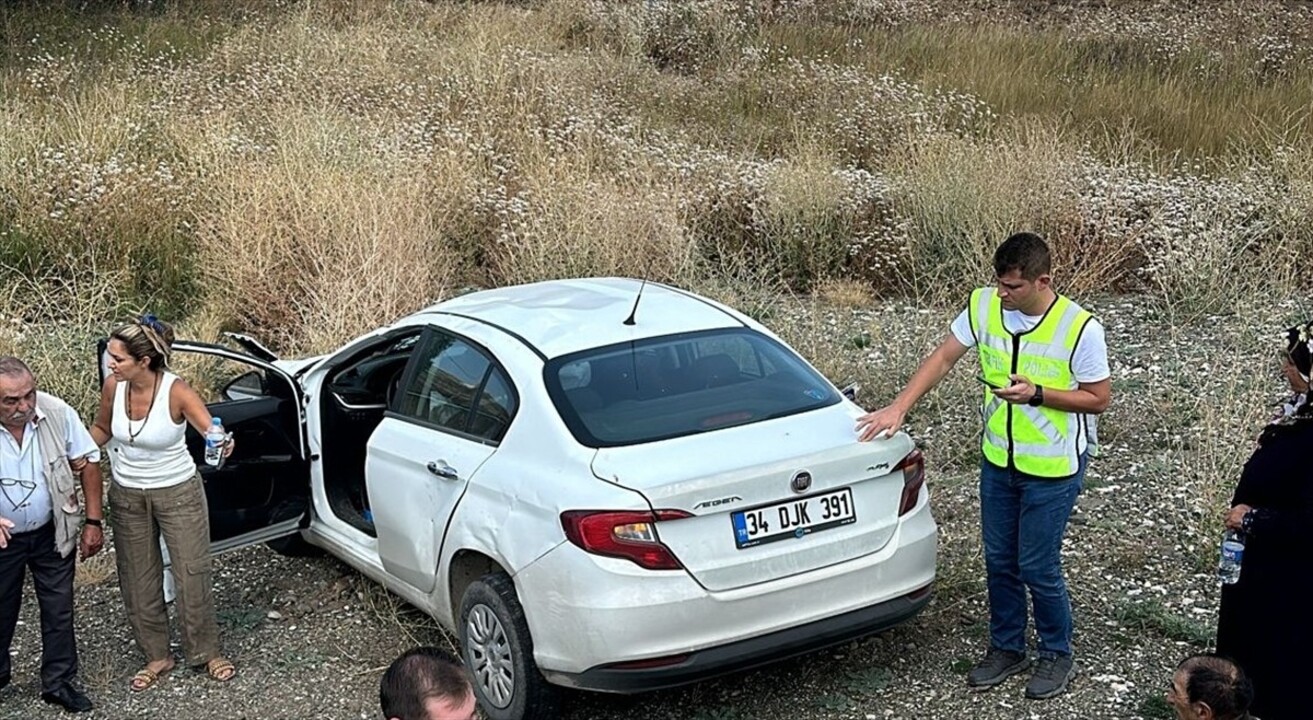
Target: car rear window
(679, 385)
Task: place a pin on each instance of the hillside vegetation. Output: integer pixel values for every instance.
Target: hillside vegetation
(308, 170)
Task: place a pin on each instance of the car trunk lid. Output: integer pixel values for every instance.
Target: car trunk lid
(823, 497)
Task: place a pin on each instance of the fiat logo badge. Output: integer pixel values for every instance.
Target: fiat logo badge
(801, 482)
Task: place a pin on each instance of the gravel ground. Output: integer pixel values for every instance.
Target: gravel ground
(311, 637)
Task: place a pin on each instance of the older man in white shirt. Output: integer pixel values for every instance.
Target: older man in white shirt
(41, 437)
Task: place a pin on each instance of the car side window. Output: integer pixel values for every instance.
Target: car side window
(455, 386)
(495, 408)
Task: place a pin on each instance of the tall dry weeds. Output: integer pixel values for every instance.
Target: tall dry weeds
(310, 250)
(963, 196)
(231, 167)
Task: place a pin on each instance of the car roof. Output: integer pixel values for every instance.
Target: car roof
(559, 317)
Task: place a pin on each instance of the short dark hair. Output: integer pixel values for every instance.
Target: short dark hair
(417, 675)
(1025, 252)
(1218, 682)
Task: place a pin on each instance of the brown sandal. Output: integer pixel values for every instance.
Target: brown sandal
(146, 679)
(220, 669)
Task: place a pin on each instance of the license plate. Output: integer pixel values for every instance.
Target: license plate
(793, 518)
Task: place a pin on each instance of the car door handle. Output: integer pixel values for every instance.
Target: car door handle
(443, 470)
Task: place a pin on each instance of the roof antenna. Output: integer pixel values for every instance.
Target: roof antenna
(630, 320)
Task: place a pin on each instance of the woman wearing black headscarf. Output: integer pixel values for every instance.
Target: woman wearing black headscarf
(1266, 620)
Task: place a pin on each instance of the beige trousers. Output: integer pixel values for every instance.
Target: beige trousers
(179, 513)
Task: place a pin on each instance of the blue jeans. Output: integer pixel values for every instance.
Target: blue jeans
(1022, 520)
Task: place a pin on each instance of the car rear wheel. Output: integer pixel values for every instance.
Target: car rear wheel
(494, 637)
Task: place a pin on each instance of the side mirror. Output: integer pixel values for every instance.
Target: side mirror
(246, 386)
(850, 391)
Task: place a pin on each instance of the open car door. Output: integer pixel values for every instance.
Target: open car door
(262, 491)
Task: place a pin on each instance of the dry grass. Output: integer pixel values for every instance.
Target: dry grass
(1183, 78)
(54, 321)
(101, 669)
(307, 171)
(313, 249)
(576, 222)
(962, 196)
(417, 628)
(845, 293)
(95, 570)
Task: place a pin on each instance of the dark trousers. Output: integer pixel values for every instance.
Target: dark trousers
(53, 577)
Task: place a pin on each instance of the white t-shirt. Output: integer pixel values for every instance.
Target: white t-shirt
(1089, 364)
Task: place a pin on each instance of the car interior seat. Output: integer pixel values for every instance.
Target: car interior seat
(613, 379)
(489, 419)
(715, 370)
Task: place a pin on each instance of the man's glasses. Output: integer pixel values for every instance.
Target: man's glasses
(28, 485)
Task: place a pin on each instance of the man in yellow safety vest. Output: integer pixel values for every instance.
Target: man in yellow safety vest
(1044, 367)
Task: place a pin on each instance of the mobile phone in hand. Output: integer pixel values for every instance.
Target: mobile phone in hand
(982, 379)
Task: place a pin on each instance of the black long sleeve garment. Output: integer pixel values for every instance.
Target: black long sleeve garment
(1266, 622)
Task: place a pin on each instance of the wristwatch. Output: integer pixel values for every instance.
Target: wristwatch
(94, 522)
(1038, 398)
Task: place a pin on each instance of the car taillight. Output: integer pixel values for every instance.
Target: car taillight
(913, 467)
(624, 534)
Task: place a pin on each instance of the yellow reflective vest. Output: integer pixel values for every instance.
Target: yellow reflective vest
(1038, 441)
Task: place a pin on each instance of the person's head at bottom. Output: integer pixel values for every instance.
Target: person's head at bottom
(1210, 687)
(426, 683)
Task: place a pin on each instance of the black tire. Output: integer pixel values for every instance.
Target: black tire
(494, 638)
(294, 546)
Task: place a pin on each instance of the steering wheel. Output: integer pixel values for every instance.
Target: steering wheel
(394, 385)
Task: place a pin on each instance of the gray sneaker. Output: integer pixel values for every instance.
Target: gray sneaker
(997, 666)
(1050, 677)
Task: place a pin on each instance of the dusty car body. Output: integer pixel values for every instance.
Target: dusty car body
(600, 484)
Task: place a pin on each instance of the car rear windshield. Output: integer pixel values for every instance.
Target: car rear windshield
(679, 385)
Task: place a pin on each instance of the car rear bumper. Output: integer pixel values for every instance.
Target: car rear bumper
(749, 653)
(589, 614)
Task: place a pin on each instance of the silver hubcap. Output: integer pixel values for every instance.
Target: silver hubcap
(490, 655)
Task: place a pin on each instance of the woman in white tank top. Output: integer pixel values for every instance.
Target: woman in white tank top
(151, 452)
(156, 490)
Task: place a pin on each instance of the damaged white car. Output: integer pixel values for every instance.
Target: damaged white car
(599, 484)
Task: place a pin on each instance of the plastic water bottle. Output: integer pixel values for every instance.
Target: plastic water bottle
(1233, 552)
(215, 438)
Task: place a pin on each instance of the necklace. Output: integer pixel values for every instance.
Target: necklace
(127, 406)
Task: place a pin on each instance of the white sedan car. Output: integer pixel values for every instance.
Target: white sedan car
(592, 488)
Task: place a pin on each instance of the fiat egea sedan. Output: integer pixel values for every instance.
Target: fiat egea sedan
(600, 484)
